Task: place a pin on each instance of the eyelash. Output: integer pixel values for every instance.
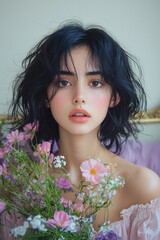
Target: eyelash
(99, 83)
(65, 83)
(60, 85)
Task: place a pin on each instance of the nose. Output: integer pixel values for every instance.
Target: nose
(79, 96)
(79, 101)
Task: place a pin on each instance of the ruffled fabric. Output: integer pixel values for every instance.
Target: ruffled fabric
(7, 222)
(139, 222)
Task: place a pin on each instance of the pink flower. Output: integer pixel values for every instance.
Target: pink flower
(78, 207)
(15, 136)
(3, 169)
(63, 183)
(44, 147)
(51, 159)
(30, 129)
(2, 206)
(1, 153)
(93, 170)
(61, 219)
(66, 203)
(43, 152)
(4, 150)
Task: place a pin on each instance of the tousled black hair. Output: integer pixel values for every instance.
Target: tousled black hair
(42, 65)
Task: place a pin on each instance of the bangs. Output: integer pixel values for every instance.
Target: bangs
(67, 62)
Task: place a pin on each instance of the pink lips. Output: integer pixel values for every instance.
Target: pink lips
(79, 116)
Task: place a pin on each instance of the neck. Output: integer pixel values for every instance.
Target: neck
(77, 149)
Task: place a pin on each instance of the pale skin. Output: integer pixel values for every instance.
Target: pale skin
(82, 88)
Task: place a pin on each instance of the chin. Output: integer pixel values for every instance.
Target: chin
(81, 132)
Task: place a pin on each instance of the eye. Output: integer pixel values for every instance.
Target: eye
(63, 83)
(96, 84)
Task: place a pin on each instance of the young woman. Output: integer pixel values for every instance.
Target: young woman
(80, 85)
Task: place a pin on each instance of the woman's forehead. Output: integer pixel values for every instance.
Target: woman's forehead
(79, 57)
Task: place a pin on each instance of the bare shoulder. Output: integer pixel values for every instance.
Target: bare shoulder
(141, 184)
(144, 184)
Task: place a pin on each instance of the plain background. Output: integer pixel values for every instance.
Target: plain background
(135, 24)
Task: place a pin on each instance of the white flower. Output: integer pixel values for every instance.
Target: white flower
(72, 227)
(61, 238)
(112, 193)
(59, 161)
(74, 217)
(92, 196)
(37, 223)
(20, 231)
(104, 227)
(81, 196)
(29, 218)
(26, 224)
(101, 187)
(101, 201)
(87, 220)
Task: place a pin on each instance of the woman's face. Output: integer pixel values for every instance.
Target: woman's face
(83, 97)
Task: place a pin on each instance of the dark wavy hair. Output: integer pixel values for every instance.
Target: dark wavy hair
(43, 63)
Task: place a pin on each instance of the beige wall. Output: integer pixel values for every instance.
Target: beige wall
(134, 23)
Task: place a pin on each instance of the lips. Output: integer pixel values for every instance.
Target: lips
(79, 115)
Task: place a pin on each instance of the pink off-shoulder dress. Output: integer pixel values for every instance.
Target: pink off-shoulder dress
(139, 222)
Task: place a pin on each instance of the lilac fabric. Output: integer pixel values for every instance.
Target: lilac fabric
(139, 222)
(142, 153)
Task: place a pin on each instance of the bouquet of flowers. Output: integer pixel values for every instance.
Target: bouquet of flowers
(36, 186)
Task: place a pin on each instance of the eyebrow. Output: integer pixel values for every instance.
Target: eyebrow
(87, 74)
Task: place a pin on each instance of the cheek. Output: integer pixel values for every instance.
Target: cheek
(101, 102)
(56, 105)
(58, 101)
